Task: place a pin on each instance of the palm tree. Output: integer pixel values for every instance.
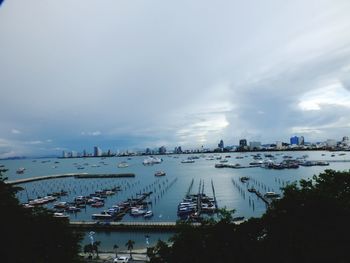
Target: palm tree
(115, 247)
(130, 246)
(95, 247)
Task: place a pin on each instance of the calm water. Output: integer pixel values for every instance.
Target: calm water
(169, 190)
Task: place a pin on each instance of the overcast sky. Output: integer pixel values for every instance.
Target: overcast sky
(145, 73)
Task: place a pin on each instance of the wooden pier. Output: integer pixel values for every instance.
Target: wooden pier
(75, 175)
(259, 195)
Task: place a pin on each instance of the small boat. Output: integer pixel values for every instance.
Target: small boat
(102, 215)
(60, 215)
(122, 165)
(20, 170)
(187, 161)
(271, 195)
(148, 214)
(160, 173)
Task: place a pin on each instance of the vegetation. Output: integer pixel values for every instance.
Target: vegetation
(309, 224)
(33, 235)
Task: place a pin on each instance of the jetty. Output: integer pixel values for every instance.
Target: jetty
(75, 175)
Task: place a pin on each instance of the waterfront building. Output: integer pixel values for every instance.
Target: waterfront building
(85, 153)
(97, 151)
(74, 154)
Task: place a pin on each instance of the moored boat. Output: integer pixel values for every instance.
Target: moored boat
(160, 173)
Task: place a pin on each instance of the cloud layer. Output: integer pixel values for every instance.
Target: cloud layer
(126, 74)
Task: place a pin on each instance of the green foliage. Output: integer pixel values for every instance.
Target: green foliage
(309, 224)
(33, 235)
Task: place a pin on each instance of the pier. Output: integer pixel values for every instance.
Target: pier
(75, 175)
(235, 166)
(259, 195)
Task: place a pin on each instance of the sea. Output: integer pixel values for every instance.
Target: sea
(169, 190)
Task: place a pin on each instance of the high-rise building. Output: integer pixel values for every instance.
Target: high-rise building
(162, 150)
(243, 143)
(301, 140)
(294, 140)
(178, 150)
(221, 144)
(64, 154)
(97, 151)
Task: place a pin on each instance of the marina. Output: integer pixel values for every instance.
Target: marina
(202, 188)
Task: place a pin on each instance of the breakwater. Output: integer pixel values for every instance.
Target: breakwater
(75, 175)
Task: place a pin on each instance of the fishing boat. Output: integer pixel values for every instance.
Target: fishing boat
(160, 173)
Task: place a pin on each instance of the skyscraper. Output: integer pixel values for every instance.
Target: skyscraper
(221, 144)
(97, 151)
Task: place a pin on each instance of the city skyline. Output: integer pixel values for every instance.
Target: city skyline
(132, 75)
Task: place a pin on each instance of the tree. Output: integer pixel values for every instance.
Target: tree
(115, 247)
(39, 236)
(130, 245)
(309, 224)
(96, 246)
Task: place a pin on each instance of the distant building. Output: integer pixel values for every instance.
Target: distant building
(243, 143)
(85, 153)
(74, 154)
(162, 150)
(97, 151)
(294, 140)
(279, 145)
(178, 150)
(148, 151)
(254, 145)
(301, 140)
(221, 144)
(64, 154)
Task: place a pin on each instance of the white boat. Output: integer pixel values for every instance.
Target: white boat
(123, 165)
(160, 173)
(102, 215)
(148, 214)
(60, 215)
(187, 161)
(151, 160)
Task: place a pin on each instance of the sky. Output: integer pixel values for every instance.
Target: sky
(146, 73)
